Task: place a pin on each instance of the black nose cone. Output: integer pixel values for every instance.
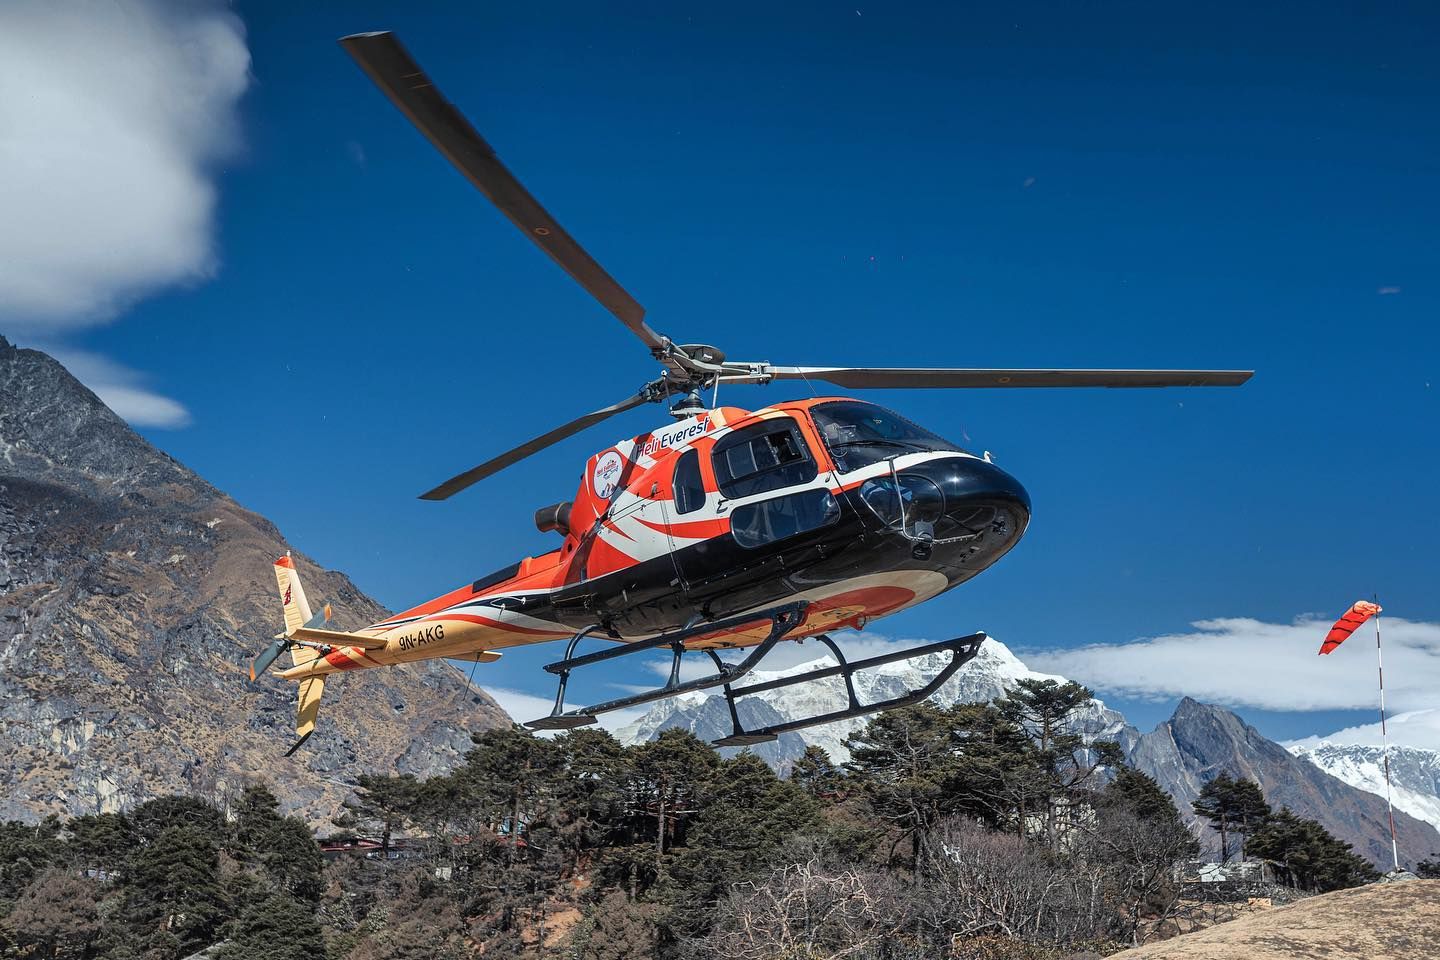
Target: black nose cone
(974, 496)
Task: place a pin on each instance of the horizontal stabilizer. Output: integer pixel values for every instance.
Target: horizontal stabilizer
(337, 638)
(479, 656)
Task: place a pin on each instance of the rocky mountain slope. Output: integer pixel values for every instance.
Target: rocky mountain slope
(993, 671)
(1414, 773)
(132, 594)
(1202, 740)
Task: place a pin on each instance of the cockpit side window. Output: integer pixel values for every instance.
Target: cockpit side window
(859, 434)
(767, 456)
(689, 490)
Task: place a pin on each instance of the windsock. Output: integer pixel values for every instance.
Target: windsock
(1362, 610)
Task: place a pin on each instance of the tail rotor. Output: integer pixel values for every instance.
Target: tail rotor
(298, 617)
(268, 656)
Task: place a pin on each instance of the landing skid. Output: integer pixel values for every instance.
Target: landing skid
(962, 650)
(782, 619)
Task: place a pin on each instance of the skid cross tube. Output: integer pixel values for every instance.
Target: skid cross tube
(782, 620)
(961, 649)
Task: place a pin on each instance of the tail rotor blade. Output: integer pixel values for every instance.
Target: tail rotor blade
(267, 657)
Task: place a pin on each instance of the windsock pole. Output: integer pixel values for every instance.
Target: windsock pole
(1385, 741)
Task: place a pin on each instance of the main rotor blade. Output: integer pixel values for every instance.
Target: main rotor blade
(459, 482)
(397, 74)
(901, 377)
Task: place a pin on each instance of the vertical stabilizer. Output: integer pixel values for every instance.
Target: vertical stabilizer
(292, 595)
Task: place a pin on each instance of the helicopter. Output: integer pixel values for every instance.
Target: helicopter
(721, 534)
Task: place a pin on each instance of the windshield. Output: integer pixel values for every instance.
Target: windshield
(859, 434)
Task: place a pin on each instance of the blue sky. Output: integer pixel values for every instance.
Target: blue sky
(918, 184)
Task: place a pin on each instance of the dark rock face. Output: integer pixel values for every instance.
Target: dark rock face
(1201, 741)
(132, 596)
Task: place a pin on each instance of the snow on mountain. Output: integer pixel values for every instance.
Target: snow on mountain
(1417, 728)
(993, 671)
(1356, 756)
(1414, 773)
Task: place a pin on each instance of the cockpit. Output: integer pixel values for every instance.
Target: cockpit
(859, 434)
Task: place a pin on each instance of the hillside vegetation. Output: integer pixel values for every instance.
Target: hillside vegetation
(979, 831)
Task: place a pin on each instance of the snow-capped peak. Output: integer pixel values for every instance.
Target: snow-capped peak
(1356, 756)
(1414, 772)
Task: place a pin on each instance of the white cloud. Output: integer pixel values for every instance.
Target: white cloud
(122, 389)
(111, 116)
(1272, 666)
(1418, 728)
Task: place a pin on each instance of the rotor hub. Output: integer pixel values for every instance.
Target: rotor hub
(703, 353)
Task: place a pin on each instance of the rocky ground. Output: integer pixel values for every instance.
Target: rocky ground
(1382, 921)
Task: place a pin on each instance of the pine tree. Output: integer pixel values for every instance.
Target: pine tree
(1044, 710)
(1142, 795)
(816, 774)
(1213, 804)
(101, 843)
(153, 817)
(737, 835)
(283, 846)
(620, 929)
(999, 777)
(1248, 809)
(1232, 805)
(505, 800)
(667, 777)
(275, 926)
(592, 791)
(903, 760)
(381, 804)
(173, 888)
(26, 849)
(1309, 857)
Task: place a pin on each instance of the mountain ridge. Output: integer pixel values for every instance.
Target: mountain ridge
(1198, 742)
(1414, 773)
(132, 594)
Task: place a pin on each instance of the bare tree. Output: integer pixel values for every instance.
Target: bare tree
(976, 882)
(57, 915)
(805, 910)
(1141, 858)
